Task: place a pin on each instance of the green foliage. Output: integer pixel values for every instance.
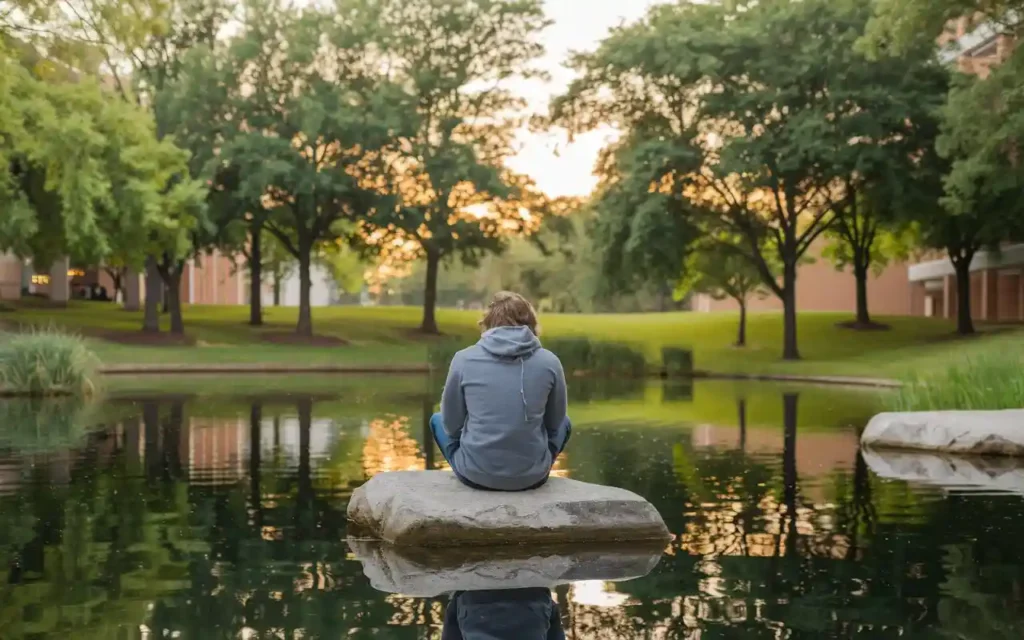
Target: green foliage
(677, 362)
(990, 381)
(347, 266)
(307, 117)
(455, 61)
(579, 357)
(86, 174)
(720, 271)
(46, 363)
(796, 112)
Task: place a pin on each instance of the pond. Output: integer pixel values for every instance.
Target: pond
(216, 509)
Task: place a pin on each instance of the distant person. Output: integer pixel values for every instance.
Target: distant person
(503, 411)
(505, 614)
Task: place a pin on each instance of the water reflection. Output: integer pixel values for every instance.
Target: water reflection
(224, 517)
(503, 614)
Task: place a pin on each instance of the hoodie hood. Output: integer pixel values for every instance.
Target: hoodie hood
(509, 342)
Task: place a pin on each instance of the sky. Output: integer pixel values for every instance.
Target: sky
(560, 168)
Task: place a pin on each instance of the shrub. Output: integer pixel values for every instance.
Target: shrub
(578, 356)
(45, 363)
(990, 382)
(677, 362)
(440, 354)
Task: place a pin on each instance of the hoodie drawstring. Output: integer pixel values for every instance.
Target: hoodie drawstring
(522, 388)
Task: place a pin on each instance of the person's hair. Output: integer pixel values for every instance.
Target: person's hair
(508, 309)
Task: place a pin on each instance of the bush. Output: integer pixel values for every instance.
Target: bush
(46, 363)
(578, 356)
(991, 382)
(584, 356)
(440, 354)
(677, 362)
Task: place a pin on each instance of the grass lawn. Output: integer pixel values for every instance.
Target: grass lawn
(386, 335)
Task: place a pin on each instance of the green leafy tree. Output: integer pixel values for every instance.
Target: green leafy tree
(721, 272)
(86, 173)
(866, 238)
(457, 60)
(317, 116)
(970, 192)
(757, 156)
(967, 194)
(140, 47)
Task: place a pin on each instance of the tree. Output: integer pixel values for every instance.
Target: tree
(722, 272)
(967, 193)
(973, 188)
(314, 117)
(756, 157)
(457, 60)
(86, 174)
(346, 266)
(140, 47)
(865, 238)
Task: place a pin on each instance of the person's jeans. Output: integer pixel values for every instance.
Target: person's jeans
(449, 446)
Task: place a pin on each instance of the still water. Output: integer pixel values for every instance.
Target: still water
(217, 512)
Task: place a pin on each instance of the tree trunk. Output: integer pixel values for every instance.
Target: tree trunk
(305, 325)
(428, 435)
(173, 468)
(741, 338)
(117, 280)
(789, 476)
(790, 351)
(741, 409)
(154, 286)
(255, 491)
(305, 470)
(964, 322)
(256, 276)
(860, 273)
(277, 289)
(429, 324)
(151, 429)
(174, 299)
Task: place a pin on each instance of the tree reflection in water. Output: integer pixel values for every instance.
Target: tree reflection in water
(200, 518)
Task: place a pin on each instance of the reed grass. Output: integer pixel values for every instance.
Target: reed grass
(46, 362)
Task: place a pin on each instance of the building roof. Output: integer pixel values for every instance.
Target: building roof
(1008, 256)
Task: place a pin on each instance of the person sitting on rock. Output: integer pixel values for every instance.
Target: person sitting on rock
(503, 411)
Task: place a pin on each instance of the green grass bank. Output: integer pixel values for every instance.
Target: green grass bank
(387, 336)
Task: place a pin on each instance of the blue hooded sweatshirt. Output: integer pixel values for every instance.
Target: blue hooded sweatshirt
(504, 399)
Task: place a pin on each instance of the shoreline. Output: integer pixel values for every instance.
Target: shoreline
(257, 369)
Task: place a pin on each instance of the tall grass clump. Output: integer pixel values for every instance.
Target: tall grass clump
(988, 382)
(46, 362)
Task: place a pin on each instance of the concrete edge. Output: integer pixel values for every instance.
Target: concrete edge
(842, 381)
(256, 369)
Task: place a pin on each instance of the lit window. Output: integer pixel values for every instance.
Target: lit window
(40, 279)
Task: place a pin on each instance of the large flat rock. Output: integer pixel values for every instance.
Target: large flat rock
(949, 473)
(433, 509)
(960, 432)
(420, 573)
